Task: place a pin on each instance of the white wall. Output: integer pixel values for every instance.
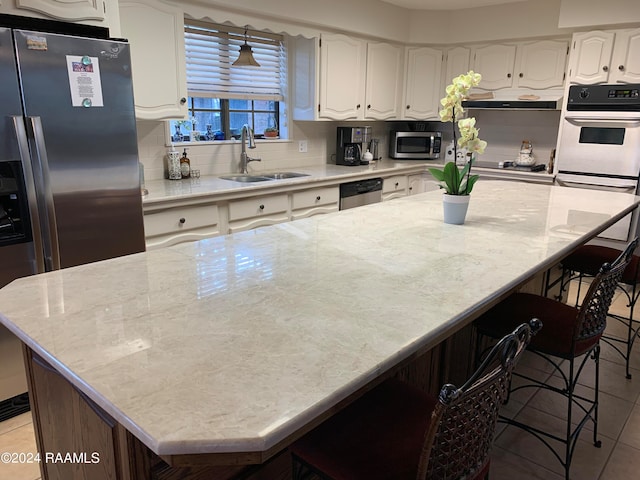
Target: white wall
(308, 17)
(533, 18)
(590, 13)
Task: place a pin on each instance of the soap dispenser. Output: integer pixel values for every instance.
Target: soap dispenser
(185, 165)
(173, 164)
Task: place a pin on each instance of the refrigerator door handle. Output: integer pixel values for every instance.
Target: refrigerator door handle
(27, 172)
(42, 178)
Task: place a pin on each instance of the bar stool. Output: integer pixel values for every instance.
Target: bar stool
(571, 334)
(585, 262)
(397, 431)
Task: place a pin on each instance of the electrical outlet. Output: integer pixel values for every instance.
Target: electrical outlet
(302, 146)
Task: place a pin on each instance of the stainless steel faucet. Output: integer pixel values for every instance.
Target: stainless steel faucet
(247, 137)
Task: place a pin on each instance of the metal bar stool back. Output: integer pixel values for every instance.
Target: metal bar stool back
(397, 431)
(571, 333)
(585, 263)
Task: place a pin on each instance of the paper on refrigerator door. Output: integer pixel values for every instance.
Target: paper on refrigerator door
(84, 81)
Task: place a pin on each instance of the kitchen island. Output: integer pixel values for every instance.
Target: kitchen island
(208, 358)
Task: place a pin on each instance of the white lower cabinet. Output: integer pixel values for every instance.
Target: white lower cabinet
(257, 212)
(176, 224)
(422, 182)
(394, 187)
(314, 202)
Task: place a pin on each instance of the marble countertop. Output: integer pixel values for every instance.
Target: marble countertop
(168, 190)
(161, 191)
(233, 343)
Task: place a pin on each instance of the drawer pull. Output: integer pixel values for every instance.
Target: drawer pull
(318, 198)
(397, 184)
(182, 220)
(261, 207)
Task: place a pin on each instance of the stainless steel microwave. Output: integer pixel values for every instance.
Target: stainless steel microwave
(414, 145)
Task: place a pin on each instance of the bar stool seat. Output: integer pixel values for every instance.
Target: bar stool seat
(589, 258)
(559, 324)
(585, 262)
(398, 432)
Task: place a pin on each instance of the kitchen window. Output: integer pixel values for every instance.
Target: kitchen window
(222, 98)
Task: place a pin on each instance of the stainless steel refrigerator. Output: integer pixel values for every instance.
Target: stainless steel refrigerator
(69, 176)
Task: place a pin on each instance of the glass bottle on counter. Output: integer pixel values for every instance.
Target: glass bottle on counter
(185, 165)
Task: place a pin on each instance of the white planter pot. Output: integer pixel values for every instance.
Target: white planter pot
(455, 208)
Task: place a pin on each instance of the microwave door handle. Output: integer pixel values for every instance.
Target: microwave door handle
(432, 140)
(50, 241)
(30, 190)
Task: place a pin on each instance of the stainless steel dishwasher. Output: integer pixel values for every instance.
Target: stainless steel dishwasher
(362, 192)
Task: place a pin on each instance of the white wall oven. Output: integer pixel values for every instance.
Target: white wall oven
(599, 144)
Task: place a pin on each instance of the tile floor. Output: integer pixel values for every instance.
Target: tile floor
(516, 454)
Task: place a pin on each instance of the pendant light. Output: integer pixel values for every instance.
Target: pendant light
(245, 59)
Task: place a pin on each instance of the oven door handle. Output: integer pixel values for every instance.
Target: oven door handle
(603, 122)
(593, 186)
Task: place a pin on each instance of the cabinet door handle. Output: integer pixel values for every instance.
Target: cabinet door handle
(182, 220)
(318, 198)
(408, 107)
(521, 74)
(621, 67)
(183, 101)
(605, 68)
(261, 207)
(358, 106)
(368, 106)
(508, 75)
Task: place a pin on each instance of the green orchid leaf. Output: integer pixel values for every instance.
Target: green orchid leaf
(472, 180)
(451, 178)
(437, 174)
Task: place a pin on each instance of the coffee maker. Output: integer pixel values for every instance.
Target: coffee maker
(352, 142)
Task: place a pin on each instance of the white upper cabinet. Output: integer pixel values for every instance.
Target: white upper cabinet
(457, 63)
(67, 10)
(605, 57)
(102, 13)
(591, 57)
(541, 64)
(342, 75)
(422, 90)
(625, 63)
(537, 65)
(495, 64)
(384, 80)
(338, 77)
(156, 33)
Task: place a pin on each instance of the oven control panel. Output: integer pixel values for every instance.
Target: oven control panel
(610, 98)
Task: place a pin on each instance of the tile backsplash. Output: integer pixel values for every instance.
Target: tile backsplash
(504, 131)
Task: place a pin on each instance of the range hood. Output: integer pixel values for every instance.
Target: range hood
(516, 100)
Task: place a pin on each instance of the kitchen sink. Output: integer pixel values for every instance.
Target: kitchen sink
(246, 178)
(283, 175)
(263, 178)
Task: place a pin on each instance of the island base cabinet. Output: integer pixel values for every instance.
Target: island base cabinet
(78, 440)
(75, 438)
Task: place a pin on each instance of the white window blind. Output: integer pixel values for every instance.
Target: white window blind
(210, 51)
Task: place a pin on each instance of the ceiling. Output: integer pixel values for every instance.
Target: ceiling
(447, 4)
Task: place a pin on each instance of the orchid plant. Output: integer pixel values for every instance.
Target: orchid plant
(451, 178)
